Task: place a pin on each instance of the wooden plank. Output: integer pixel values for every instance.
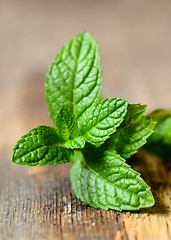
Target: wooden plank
(39, 203)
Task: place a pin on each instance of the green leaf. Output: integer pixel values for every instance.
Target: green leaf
(102, 119)
(134, 113)
(104, 180)
(126, 141)
(160, 141)
(168, 133)
(66, 125)
(74, 78)
(41, 146)
(76, 143)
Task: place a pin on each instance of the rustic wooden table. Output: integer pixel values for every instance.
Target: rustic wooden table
(38, 202)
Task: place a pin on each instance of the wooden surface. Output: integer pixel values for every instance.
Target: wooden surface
(134, 37)
(39, 203)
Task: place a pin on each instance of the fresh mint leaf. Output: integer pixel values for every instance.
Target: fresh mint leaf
(66, 125)
(76, 143)
(101, 120)
(41, 146)
(134, 113)
(126, 141)
(74, 78)
(103, 179)
(160, 141)
(67, 130)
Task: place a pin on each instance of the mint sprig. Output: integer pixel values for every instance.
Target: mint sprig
(95, 134)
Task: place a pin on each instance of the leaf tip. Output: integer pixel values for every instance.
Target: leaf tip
(148, 201)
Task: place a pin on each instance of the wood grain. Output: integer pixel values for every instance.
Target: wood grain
(134, 36)
(39, 203)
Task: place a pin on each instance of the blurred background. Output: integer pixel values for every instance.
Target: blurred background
(135, 47)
